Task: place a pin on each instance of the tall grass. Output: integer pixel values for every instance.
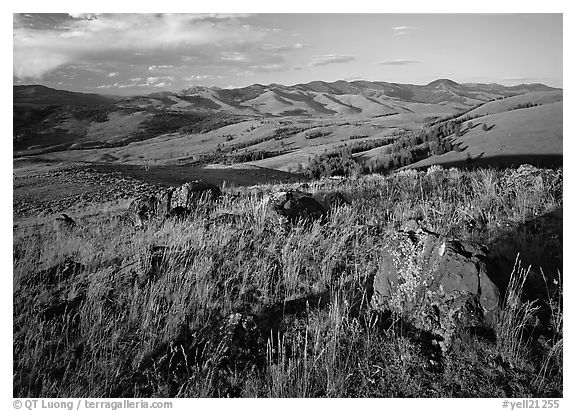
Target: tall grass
(516, 318)
(212, 268)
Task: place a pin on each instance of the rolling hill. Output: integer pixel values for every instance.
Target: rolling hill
(283, 127)
(527, 135)
(41, 96)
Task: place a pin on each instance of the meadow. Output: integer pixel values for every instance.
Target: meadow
(103, 309)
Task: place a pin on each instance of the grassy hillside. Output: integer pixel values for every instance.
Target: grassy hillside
(88, 329)
(515, 102)
(525, 133)
(41, 96)
(289, 126)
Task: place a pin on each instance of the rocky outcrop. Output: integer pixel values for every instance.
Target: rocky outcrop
(436, 283)
(174, 202)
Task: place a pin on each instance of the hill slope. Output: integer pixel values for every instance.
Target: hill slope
(530, 134)
(275, 126)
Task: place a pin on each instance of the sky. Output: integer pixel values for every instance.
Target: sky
(144, 53)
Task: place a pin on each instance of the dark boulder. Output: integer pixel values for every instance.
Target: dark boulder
(65, 221)
(58, 274)
(436, 283)
(142, 209)
(178, 213)
(63, 288)
(331, 200)
(230, 345)
(295, 206)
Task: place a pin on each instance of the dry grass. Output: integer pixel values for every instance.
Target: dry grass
(214, 268)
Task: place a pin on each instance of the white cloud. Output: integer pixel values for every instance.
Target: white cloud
(160, 67)
(158, 80)
(90, 38)
(84, 16)
(402, 30)
(398, 62)
(200, 77)
(233, 56)
(331, 59)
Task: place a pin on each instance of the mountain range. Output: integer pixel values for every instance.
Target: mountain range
(317, 98)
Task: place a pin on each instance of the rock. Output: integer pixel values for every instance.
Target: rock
(293, 206)
(436, 283)
(63, 290)
(65, 221)
(142, 209)
(57, 274)
(527, 178)
(229, 345)
(188, 194)
(331, 200)
(178, 213)
(179, 202)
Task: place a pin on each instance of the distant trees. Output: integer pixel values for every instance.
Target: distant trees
(457, 130)
(525, 105)
(316, 134)
(339, 163)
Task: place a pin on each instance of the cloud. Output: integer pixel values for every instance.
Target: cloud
(233, 56)
(200, 77)
(160, 67)
(331, 59)
(42, 44)
(402, 30)
(84, 16)
(158, 80)
(398, 62)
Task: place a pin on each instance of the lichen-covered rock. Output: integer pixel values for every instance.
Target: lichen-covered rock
(527, 178)
(174, 202)
(188, 194)
(434, 282)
